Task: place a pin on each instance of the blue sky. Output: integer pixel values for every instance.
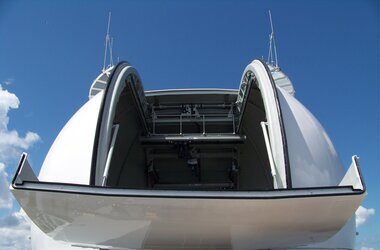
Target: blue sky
(50, 52)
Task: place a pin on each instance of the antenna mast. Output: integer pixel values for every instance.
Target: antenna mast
(108, 46)
(272, 54)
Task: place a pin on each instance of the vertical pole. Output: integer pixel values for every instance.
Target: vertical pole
(270, 155)
(109, 156)
(204, 125)
(272, 57)
(107, 41)
(180, 124)
(154, 121)
(233, 123)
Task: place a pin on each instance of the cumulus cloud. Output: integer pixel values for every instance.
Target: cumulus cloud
(7, 101)
(363, 214)
(11, 143)
(15, 231)
(5, 196)
(14, 226)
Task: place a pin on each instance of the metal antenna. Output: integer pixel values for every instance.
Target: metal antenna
(111, 57)
(272, 54)
(108, 46)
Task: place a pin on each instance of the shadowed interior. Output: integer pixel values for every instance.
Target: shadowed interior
(190, 141)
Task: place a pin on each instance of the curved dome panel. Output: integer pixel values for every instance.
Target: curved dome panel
(69, 158)
(314, 161)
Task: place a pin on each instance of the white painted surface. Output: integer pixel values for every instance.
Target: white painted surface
(116, 87)
(344, 239)
(274, 129)
(282, 80)
(143, 222)
(120, 222)
(314, 161)
(100, 83)
(120, 218)
(69, 158)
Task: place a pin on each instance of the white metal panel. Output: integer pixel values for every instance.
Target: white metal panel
(344, 239)
(117, 85)
(198, 91)
(41, 241)
(314, 161)
(100, 83)
(349, 178)
(282, 80)
(120, 218)
(273, 119)
(135, 222)
(73, 147)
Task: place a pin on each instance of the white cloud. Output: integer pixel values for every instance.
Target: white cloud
(9, 81)
(15, 231)
(367, 248)
(363, 214)
(5, 196)
(11, 143)
(368, 241)
(7, 101)
(14, 227)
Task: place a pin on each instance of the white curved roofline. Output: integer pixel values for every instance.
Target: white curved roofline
(202, 91)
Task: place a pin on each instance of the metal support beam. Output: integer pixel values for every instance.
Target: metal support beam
(110, 152)
(270, 155)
